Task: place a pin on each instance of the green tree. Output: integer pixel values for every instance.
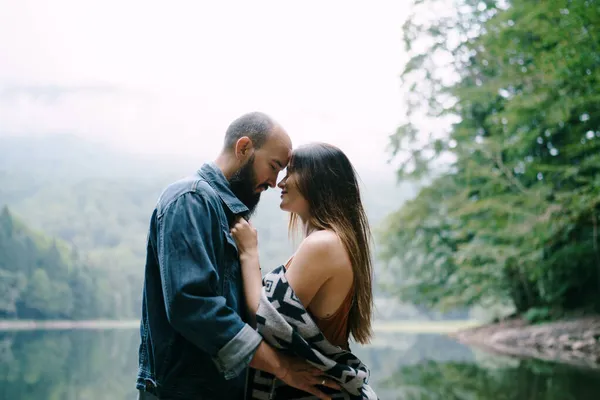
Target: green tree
(513, 216)
(49, 298)
(42, 278)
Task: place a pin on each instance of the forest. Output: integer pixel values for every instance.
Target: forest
(509, 210)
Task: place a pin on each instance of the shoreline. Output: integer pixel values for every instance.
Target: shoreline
(29, 325)
(401, 326)
(572, 341)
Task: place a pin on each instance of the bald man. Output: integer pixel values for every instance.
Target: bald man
(195, 342)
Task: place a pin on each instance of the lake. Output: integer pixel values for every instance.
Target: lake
(101, 364)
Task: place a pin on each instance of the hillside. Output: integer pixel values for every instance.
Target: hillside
(99, 201)
(41, 278)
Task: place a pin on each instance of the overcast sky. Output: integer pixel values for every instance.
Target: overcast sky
(168, 76)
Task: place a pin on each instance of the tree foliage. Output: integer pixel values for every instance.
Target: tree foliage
(41, 278)
(513, 216)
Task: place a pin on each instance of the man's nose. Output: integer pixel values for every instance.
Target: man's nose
(272, 181)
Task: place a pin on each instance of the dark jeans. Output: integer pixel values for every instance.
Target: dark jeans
(142, 395)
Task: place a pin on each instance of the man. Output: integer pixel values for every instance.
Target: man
(195, 343)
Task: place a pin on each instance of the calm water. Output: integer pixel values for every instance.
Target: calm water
(63, 365)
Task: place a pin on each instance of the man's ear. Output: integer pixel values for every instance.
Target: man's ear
(244, 148)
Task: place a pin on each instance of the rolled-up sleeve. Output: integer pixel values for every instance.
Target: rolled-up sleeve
(188, 230)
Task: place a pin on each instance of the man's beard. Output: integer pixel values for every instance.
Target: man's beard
(243, 184)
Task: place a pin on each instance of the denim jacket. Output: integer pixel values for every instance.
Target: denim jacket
(194, 341)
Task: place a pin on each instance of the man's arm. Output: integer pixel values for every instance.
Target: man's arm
(187, 230)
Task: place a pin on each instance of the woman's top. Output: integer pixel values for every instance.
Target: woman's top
(335, 326)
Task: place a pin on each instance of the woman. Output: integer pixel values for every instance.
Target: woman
(331, 271)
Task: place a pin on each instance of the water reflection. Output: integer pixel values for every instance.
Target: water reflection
(67, 365)
(433, 380)
(102, 365)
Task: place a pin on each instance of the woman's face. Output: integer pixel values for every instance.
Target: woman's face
(291, 198)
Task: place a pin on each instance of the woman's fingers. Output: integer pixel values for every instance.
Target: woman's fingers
(241, 224)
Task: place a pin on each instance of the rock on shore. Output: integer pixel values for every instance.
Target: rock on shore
(573, 341)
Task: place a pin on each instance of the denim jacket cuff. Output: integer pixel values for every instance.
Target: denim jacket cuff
(235, 356)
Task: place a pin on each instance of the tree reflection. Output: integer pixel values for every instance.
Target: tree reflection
(530, 380)
(83, 364)
(68, 365)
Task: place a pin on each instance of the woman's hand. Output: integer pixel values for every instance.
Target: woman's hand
(245, 237)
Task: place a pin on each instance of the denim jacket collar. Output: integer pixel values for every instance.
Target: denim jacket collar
(215, 178)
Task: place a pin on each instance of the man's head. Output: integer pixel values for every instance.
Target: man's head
(259, 149)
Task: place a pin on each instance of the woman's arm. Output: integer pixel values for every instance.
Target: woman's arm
(252, 283)
(246, 239)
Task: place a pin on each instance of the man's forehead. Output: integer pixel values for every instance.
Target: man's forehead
(279, 147)
(282, 162)
(281, 158)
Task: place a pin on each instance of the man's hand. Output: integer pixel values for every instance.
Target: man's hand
(301, 375)
(293, 371)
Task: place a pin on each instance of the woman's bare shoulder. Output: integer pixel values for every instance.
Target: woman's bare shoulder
(325, 248)
(319, 258)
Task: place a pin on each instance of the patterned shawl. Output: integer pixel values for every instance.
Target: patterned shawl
(285, 324)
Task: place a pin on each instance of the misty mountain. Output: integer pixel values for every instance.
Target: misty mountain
(99, 200)
(71, 160)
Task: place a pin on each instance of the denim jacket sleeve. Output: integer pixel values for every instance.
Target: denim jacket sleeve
(187, 229)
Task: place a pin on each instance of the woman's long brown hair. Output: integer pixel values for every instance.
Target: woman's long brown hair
(327, 180)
